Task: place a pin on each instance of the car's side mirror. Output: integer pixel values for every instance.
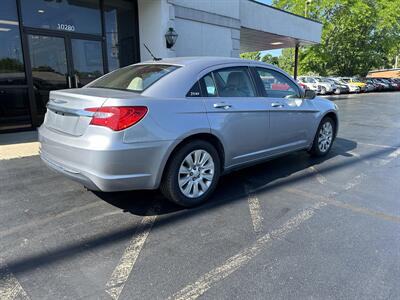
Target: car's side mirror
(309, 94)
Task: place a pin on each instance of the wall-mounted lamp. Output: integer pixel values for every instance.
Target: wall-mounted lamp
(171, 37)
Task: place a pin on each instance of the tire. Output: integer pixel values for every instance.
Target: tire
(322, 144)
(323, 91)
(204, 174)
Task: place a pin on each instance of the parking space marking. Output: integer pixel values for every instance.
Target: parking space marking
(378, 145)
(392, 156)
(255, 210)
(355, 181)
(331, 201)
(18, 150)
(320, 178)
(10, 288)
(213, 277)
(121, 273)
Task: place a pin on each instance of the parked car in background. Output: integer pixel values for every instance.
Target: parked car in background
(369, 87)
(310, 83)
(326, 86)
(355, 82)
(180, 123)
(393, 84)
(341, 87)
(386, 86)
(352, 88)
(377, 86)
(397, 81)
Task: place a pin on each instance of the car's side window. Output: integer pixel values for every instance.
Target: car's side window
(234, 82)
(277, 85)
(210, 89)
(194, 91)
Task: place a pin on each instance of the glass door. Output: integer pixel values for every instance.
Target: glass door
(61, 61)
(48, 58)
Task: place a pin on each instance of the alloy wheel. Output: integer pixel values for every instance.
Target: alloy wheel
(325, 137)
(196, 173)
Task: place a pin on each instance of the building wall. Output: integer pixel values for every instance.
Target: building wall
(395, 73)
(207, 27)
(155, 17)
(212, 27)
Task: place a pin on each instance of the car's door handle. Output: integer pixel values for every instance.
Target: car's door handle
(277, 104)
(222, 105)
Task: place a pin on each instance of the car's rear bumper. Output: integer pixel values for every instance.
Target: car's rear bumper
(117, 167)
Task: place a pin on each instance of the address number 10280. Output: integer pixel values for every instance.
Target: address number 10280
(65, 27)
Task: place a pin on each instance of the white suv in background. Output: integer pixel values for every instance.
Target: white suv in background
(310, 83)
(318, 84)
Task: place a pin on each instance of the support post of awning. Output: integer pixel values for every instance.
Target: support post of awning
(296, 61)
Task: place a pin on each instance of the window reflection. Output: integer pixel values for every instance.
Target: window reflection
(120, 34)
(49, 67)
(11, 59)
(63, 15)
(88, 61)
(14, 110)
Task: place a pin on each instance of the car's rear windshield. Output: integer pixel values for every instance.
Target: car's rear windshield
(134, 78)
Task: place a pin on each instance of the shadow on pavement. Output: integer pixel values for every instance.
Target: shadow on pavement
(231, 189)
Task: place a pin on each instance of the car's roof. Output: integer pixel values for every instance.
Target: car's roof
(204, 61)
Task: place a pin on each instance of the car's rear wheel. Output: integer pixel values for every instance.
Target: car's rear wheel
(324, 138)
(191, 174)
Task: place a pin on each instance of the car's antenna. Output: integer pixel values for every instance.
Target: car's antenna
(154, 58)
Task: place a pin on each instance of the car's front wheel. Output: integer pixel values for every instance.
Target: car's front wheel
(191, 174)
(324, 138)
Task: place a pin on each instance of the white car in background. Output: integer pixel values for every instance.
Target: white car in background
(315, 83)
(310, 83)
(327, 87)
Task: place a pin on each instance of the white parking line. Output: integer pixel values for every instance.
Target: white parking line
(10, 288)
(120, 275)
(377, 145)
(392, 156)
(255, 210)
(320, 178)
(354, 181)
(208, 280)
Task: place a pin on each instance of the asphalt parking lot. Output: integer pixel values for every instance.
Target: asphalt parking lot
(292, 228)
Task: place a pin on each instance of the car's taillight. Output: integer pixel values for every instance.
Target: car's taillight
(117, 117)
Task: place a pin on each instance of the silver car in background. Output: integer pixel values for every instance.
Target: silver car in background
(178, 124)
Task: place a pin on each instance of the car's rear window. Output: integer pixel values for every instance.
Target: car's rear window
(133, 78)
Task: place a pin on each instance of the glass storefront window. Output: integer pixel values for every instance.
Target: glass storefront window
(119, 18)
(11, 58)
(64, 15)
(88, 61)
(14, 109)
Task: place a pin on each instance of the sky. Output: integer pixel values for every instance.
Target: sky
(269, 2)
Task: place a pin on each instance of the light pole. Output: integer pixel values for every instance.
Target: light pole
(306, 4)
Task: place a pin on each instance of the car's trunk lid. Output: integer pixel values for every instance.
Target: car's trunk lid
(66, 108)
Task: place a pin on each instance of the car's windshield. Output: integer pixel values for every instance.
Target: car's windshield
(134, 78)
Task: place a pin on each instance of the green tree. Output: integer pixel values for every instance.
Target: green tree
(256, 55)
(358, 35)
(269, 59)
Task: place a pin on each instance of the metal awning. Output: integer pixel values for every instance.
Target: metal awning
(264, 27)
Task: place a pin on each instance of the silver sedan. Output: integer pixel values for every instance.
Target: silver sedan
(178, 124)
